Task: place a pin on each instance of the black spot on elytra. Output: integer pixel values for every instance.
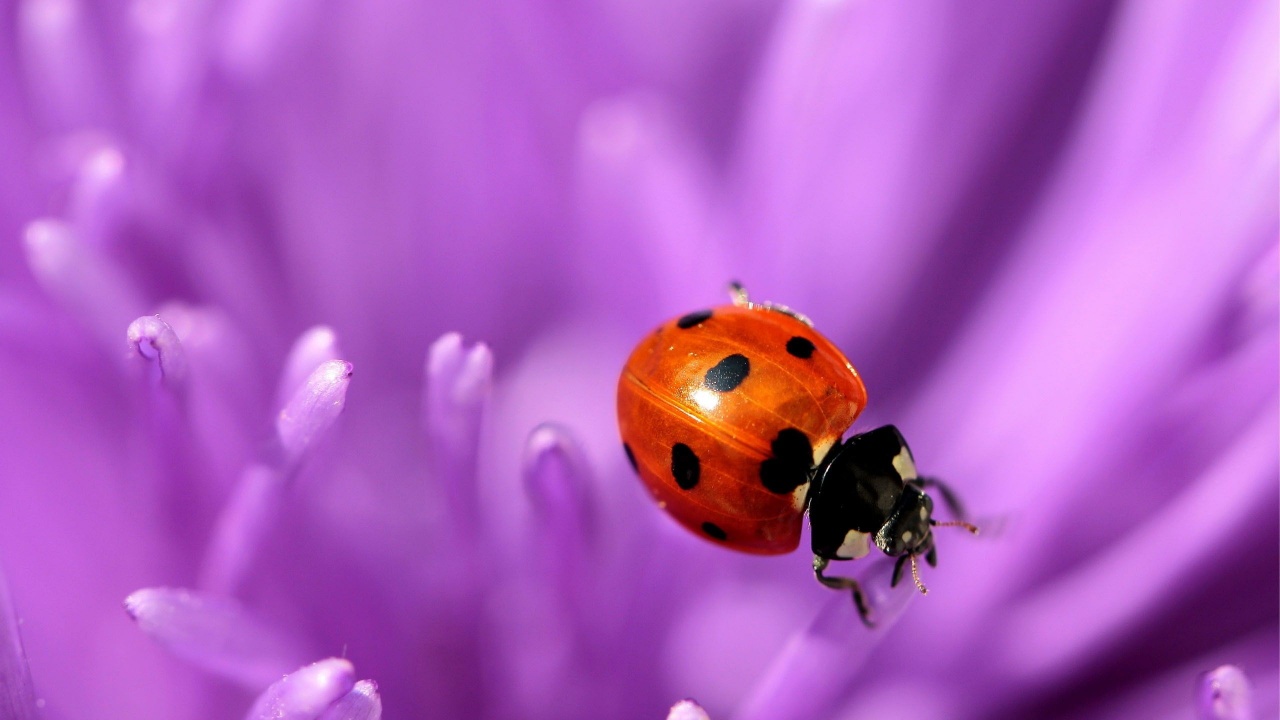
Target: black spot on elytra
(789, 467)
(693, 318)
(728, 373)
(631, 457)
(800, 347)
(713, 530)
(685, 467)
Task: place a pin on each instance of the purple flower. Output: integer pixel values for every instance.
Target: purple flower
(311, 316)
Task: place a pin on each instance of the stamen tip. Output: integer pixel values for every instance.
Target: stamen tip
(48, 244)
(314, 408)
(306, 692)
(687, 710)
(154, 342)
(443, 353)
(362, 703)
(1225, 695)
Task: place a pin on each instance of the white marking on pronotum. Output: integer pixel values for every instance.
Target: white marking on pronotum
(907, 535)
(905, 465)
(856, 544)
(819, 453)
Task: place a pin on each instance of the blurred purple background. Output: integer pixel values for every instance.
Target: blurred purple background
(1045, 233)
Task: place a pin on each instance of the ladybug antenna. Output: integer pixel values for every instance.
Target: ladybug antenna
(915, 575)
(738, 295)
(956, 523)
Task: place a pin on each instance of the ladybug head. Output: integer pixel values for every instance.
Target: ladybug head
(909, 529)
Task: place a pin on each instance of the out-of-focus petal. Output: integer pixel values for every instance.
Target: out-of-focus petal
(555, 480)
(687, 710)
(226, 398)
(83, 280)
(255, 34)
(313, 409)
(17, 695)
(241, 528)
(362, 703)
(305, 693)
(888, 144)
(63, 62)
(214, 633)
(645, 184)
(810, 676)
(727, 633)
(1225, 695)
(167, 69)
(100, 196)
(458, 383)
(1201, 520)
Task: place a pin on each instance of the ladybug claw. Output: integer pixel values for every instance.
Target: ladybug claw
(844, 583)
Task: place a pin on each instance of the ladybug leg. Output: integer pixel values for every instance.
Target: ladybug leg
(931, 557)
(949, 497)
(897, 571)
(844, 583)
(738, 294)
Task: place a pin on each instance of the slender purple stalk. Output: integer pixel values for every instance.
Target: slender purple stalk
(215, 633)
(558, 485)
(458, 383)
(17, 695)
(316, 385)
(809, 676)
(244, 524)
(86, 282)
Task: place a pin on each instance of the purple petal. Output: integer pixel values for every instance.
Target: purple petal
(555, 479)
(169, 46)
(1225, 695)
(313, 409)
(315, 346)
(245, 522)
(216, 634)
(304, 694)
(646, 184)
(225, 395)
(687, 710)
(64, 69)
(1201, 520)
(100, 196)
(362, 703)
(79, 277)
(258, 32)
(810, 675)
(155, 343)
(458, 384)
(17, 695)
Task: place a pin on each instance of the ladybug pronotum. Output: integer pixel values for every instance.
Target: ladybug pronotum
(733, 418)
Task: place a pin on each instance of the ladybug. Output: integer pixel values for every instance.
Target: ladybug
(733, 418)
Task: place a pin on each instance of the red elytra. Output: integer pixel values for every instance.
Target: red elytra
(725, 412)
